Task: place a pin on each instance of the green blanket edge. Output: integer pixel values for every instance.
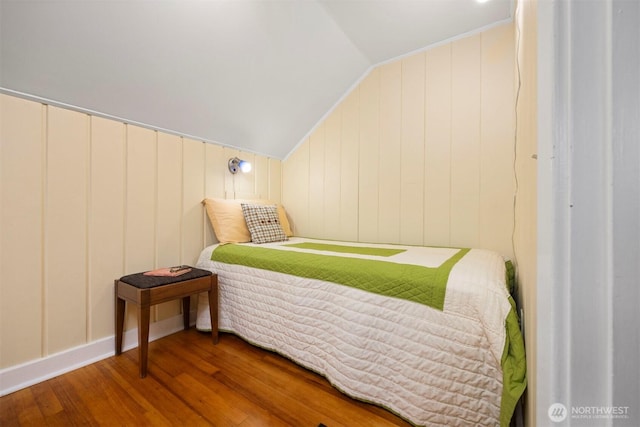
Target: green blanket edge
(514, 367)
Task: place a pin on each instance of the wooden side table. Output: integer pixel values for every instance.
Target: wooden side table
(145, 291)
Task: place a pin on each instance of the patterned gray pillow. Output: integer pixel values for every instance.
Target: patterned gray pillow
(263, 223)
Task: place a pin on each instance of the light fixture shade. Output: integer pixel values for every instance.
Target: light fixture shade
(235, 165)
(245, 166)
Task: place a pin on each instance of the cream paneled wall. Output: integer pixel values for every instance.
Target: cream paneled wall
(86, 200)
(420, 152)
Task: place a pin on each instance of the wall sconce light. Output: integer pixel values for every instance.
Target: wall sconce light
(235, 164)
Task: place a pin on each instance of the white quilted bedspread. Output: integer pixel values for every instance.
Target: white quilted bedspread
(434, 368)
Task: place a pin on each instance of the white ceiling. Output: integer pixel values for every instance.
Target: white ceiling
(253, 74)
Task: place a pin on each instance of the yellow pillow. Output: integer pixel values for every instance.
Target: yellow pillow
(228, 221)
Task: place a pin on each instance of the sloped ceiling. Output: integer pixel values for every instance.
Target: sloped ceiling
(257, 75)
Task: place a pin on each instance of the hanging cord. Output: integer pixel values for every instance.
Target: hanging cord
(515, 135)
(515, 158)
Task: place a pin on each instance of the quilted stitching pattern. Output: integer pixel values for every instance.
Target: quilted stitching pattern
(434, 368)
(430, 367)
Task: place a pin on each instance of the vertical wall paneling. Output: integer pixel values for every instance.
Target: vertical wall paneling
(141, 214)
(169, 216)
(316, 182)
(275, 183)
(85, 200)
(106, 229)
(465, 141)
(412, 150)
(21, 217)
(215, 170)
(497, 108)
(369, 157)
(140, 206)
(193, 182)
(247, 181)
(261, 176)
(169, 189)
(435, 145)
(390, 160)
(437, 149)
(295, 189)
(66, 229)
(332, 179)
(229, 179)
(349, 166)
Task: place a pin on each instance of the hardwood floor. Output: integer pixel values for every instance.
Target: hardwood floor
(190, 382)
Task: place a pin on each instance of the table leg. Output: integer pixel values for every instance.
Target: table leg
(213, 308)
(186, 311)
(120, 310)
(143, 337)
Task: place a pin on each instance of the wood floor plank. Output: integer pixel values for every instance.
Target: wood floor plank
(47, 400)
(75, 411)
(214, 402)
(192, 382)
(148, 394)
(224, 400)
(24, 409)
(109, 407)
(129, 405)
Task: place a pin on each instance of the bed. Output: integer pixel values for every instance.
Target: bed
(446, 354)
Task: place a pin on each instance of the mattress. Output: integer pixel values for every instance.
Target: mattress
(457, 364)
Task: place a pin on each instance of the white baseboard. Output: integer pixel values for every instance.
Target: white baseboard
(17, 377)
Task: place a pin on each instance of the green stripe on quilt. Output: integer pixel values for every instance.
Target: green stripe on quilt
(405, 281)
(510, 276)
(360, 250)
(514, 367)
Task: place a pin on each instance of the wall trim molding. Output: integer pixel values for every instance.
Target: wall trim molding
(21, 376)
(588, 205)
